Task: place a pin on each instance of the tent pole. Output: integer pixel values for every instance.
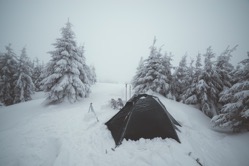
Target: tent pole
(130, 90)
(126, 92)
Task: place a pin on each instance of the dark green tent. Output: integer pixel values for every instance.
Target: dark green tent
(143, 116)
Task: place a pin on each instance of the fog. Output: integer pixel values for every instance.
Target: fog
(117, 33)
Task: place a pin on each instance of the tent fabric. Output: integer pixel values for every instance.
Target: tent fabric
(143, 116)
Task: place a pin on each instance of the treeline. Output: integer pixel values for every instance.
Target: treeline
(220, 90)
(65, 76)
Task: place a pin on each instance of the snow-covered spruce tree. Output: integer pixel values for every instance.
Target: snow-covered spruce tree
(88, 72)
(93, 75)
(166, 61)
(224, 68)
(137, 80)
(8, 66)
(235, 73)
(191, 72)
(66, 73)
(235, 113)
(191, 95)
(205, 92)
(189, 80)
(198, 68)
(85, 72)
(151, 74)
(24, 86)
(37, 75)
(209, 85)
(180, 79)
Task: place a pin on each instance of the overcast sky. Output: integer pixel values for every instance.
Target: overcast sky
(116, 33)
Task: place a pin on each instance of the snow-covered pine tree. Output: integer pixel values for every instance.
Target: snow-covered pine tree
(191, 95)
(152, 76)
(88, 72)
(235, 113)
(209, 85)
(205, 92)
(166, 61)
(85, 72)
(224, 68)
(235, 73)
(8, 66)
(191, 72)
(154, 79)
(24, 86)
(37, 75)
(46, 72)
(93, 74)
(180, 79)
(198, 68)
(189, 79)
(66, 73)
(137, 80)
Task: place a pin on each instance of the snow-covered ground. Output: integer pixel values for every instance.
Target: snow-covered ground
(32, 134)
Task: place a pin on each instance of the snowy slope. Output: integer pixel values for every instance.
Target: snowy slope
(32, 134)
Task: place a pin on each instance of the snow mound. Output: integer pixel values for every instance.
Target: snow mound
(32, 134)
